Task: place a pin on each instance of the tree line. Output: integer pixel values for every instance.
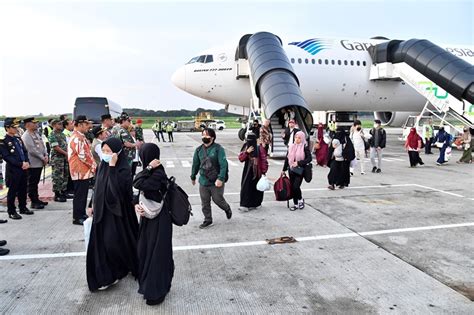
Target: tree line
(138, 112)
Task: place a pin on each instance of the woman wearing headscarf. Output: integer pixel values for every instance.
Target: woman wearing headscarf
(112, 249)
(256, 165)
(155, 249)
(443, 140)
(320, 147)
(340, 173)
(413, 146)
(467, 142)
(297, 158)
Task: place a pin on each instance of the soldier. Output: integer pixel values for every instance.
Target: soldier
(123, 133)
(59, 162)
(14, 153)
(139, 131)
(38, 160)
(107, 123)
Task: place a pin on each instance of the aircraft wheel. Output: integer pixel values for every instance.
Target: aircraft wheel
(242, 134)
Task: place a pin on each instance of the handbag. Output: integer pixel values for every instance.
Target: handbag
(308, 172)
(152, 208)
(264, 184)
(297, 170)
(87, 231)
(439, 144)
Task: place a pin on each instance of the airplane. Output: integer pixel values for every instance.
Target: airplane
(333, 74)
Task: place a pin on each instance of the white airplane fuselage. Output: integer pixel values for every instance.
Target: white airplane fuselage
(334, 77)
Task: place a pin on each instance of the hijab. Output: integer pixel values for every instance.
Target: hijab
(151, 183)
(112, 190)
(320, 132)
(296, 151)
(412, 139)
(252, 142)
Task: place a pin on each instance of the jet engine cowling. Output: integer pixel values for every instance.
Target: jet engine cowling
(393, 119)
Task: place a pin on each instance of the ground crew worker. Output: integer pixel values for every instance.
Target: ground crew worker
(158, 130)
(46, 132)
(169, 130)
(15, 154)
(428, 135)
(129, 145)
(332, 128)
(59, 163)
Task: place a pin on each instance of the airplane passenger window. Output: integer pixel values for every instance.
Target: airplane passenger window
(209, 59)
(320, 61)
(201, 59)
(352, 62)
(358, 63)
(339, 62)
(333, 62)
(299, 60)
(345, 62)
(326, 61)
(364, 63)
(306, 61)
(292, 60)
(313, 61)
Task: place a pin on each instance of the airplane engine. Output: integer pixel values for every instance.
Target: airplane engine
(393, 119)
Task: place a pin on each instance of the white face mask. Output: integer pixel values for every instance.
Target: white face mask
(106, 157)
(376, 125)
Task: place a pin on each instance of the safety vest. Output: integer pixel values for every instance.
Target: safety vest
(332, 126)
(50, 130)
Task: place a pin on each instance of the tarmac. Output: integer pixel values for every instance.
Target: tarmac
(397, 242)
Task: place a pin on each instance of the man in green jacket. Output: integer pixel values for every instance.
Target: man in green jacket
(211, 163)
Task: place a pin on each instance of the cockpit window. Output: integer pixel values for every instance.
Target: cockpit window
(201, 59)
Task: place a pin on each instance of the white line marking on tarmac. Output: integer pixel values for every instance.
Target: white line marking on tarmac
(439, 190)
(185, 164)
(169, 164)
(257, 243)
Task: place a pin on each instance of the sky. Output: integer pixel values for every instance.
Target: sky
(54, 51)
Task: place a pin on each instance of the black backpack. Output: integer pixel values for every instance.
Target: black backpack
(210, 169)
(177, 203)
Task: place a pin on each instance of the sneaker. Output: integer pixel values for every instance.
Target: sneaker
(301, 204)
(379, 170)
(341, 187)
(4, 251)
(362, 173)
(105, 287)
(439, 164)
(352, 173)
(78, 221)
(374, 169)
(331, 187)
(244, 209)
(205, 224)
(293, 208)
(228, 214)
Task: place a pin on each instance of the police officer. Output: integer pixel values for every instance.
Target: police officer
(15, 154)
(59, 163)
(123, 133)
(107, 123)
(38, 160)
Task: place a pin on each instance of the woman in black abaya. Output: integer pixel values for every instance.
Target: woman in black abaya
(155, 250)
(112, 250)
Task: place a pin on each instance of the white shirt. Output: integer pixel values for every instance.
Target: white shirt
(98, 149)
(358, 140)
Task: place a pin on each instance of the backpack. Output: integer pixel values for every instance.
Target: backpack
(211, 170)
(282, 188)
(177, 203)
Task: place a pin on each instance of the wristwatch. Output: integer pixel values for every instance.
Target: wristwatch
(149, 167)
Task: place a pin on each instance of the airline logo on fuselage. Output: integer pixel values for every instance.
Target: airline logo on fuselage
(313, 46)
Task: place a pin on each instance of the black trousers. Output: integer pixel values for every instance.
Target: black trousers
(414, 158)
(428, 142)
(34, 177)
(170, 136)
(157, 135)
(79, 203)
(17, 188)
(296, 181)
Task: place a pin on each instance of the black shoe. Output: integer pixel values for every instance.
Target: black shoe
(3, 243)
(26, 211)
(15, 216)
(37, 206)
(379, 170)
(205, 224)
(155, 302)
(228, 214)
(44, 203)
(3, 221)
(4, 251)
(59, 198)
(374, 169)
(68, 196)
(78, 221)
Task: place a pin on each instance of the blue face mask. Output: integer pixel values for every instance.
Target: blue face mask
(106, 157)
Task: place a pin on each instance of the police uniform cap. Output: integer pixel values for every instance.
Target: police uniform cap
(96, 131)
(82, 119)
(106, 116)
(55, 121)
(377, 121)
(11, 122)
(30, 119)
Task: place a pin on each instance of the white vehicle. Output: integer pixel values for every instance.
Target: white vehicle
(220, 125)
(395, 80)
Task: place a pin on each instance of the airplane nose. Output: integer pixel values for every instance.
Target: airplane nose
(179, 78)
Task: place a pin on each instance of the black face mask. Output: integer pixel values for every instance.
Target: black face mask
(359, 128)
(206, 140)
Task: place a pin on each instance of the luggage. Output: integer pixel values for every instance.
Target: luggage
(282, 189)
(177, 203)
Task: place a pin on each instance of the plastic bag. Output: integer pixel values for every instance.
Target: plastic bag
(264, 184)
(87, 230)
(447, 154)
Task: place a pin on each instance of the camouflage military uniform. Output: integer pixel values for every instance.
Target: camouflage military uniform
(139, 133)
(125, 136)
(114, 132)
(59, 162)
